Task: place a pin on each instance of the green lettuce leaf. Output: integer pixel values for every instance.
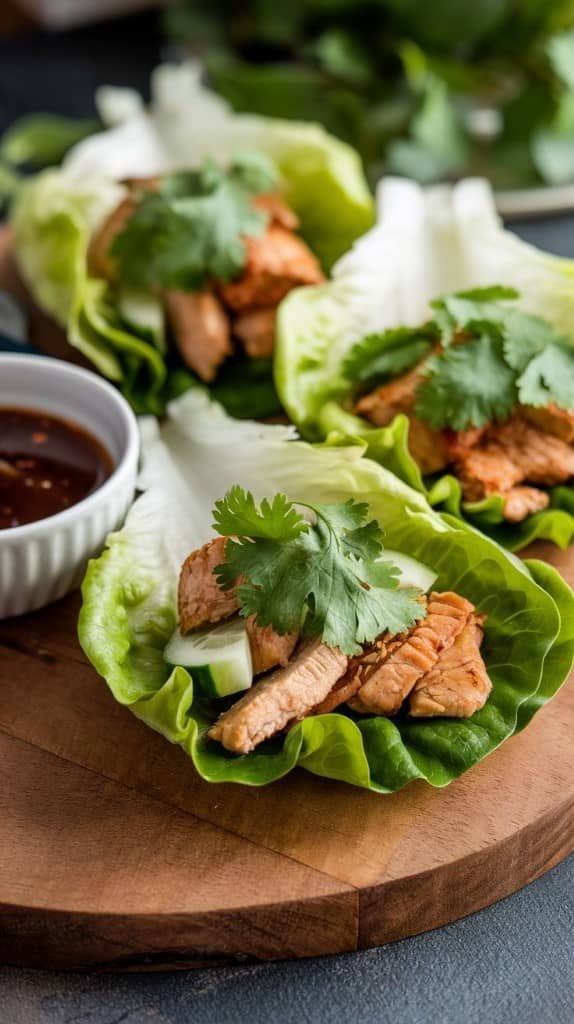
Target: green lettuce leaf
(52, 219)
(425, 244)
(186, 122)
(129, 604)
(56, 212)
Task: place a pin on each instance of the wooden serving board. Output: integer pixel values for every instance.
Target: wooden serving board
(115, 854)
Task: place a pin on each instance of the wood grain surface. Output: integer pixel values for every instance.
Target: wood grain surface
(115, 854)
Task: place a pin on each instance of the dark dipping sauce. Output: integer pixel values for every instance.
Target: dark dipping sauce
(46, 465)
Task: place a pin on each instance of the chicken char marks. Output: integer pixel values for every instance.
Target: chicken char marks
(389, 671)
(458, 684)
(533, 447)
(437, 664)
(509, 454)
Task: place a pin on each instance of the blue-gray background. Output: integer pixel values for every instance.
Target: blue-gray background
(511, 963)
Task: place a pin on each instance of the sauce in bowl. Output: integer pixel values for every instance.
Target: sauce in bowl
(47, 464)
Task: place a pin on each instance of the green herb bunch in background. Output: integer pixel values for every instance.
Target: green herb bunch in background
(430, 90)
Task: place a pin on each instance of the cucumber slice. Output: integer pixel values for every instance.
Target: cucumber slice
(413, 573)
(219, 657)
(143, 312)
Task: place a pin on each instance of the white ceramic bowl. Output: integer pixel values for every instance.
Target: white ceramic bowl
(42, 561)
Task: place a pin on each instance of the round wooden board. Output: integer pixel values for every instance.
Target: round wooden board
(115, 854)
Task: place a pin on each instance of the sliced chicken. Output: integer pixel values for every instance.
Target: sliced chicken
(268, 648)
(201, 329)
(277, 261)
(284, 696)
(256, 331)
(553, 420)
(520, 502)
(426, 446)
(201, 601)
(459, 442)
(380, 407)
(279, 213)
(385, 402)
(458, 685)
(200, 598)
(343, 691)
(389, 670)
(513, 452)
(100, 262)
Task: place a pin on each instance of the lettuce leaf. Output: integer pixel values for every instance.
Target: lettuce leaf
(425, 244)
(186, 122)
(56, 213)
(129, 604)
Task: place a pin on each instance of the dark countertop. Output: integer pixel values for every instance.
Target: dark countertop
(510, 963)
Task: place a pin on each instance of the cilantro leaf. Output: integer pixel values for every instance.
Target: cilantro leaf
(194, 227)
(154, 248)
(549, 377)
(387, 354)
(238, 515)
(255, 172)
(467, 386)
(525, 336)
(455, 313)
(327, 569)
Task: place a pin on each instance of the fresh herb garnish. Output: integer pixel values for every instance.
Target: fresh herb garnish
(324, 574)
(492, 357)
(388, 353)
(472, 311)
(194, 226)
(468, 384)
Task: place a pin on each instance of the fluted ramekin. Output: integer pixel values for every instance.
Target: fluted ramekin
(42, 561)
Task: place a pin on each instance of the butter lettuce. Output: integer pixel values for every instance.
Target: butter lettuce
(129, 604)
(57, 211)
(186, 122)
(426, 243)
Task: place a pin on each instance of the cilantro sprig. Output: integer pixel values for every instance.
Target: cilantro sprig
(194, 226)
(388, 353)
(321, 577)
(491, 356)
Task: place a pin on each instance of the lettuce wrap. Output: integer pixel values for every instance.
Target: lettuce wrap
(425, 244)
(56, 213)
(129, 604)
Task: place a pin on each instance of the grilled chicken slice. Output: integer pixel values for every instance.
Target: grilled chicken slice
(553, 420)
(520, 502)
(201, 329)
(279, 213)
(277, 261)
(380, 407)
(385, 402)
(459, 443)
(284, 696)
(343, 691)
(389, 670)
(256, 331)
(268, 648)
(511, 453)
(458, 685)
(427, 447)
(100, 262)
(200, 599)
